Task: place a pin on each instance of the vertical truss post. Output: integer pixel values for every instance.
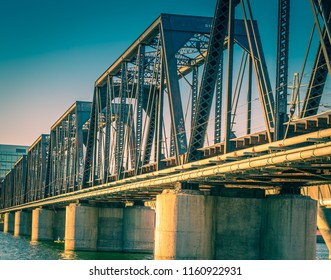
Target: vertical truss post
(58, 160)
(98, 164)
(68, 175)
(215, 50)
(228, 113)
(159, 117)
(249, 96)
(91, 138)
(63, 158)
(120, 122)
(282, 68)
(48, 185)
(218, 102)
(172, 142)
(159, 137)
(95, 144)
(175, 102)
(74, 167)
(195, 87)
(140, 90)
(159, 122)
(83, 111)
(108, 124)
(42, 160)
(53, 170)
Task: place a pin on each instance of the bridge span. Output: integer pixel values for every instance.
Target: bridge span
(177, 155)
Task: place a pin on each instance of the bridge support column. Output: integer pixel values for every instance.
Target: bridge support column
(324, 225)
(238, 216)
(23, 223)
(42, 225)
(8, 225)
(289, 228)
(184, 225)
(110, 230)
(59, 222)
(138, 229)
(81, 231)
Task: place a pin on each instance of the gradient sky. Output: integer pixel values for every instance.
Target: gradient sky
(52, 51)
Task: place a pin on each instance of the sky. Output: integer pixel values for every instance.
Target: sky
(52, 51)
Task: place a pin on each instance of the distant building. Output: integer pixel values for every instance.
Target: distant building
(9, 154)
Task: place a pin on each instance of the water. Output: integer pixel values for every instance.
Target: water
(322, 252)
(21, 248)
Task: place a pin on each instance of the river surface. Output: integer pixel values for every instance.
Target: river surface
(21, 248)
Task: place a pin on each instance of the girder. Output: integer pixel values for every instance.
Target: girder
(121, 123)
(218, 102)
(139, 123)
(282, 67)
(108, 116)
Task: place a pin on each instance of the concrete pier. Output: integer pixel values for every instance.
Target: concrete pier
(238, 225)
(23, 223)
(42, 225)
(324, 225)
(289, 228)
(8, 224)
(138, 229)
(234, 224)
(59, 221)
(81, 230)
(110, 228)
(184, 226)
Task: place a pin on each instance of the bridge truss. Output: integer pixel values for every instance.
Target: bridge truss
(180, 105)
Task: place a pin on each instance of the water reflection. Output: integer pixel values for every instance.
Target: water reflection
(68, 255)
(21, 248)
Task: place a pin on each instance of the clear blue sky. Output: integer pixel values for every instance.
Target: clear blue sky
(52, 51)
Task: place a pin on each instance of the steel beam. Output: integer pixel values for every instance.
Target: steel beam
(120, 123)
(249, 96)
(92, 133)
(282, 67)
(139, 102)
(171, 42)
(215, 50)
(109, 93)
(228, 146)
(218, 102)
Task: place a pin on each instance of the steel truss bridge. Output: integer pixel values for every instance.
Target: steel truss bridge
(190, 102)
